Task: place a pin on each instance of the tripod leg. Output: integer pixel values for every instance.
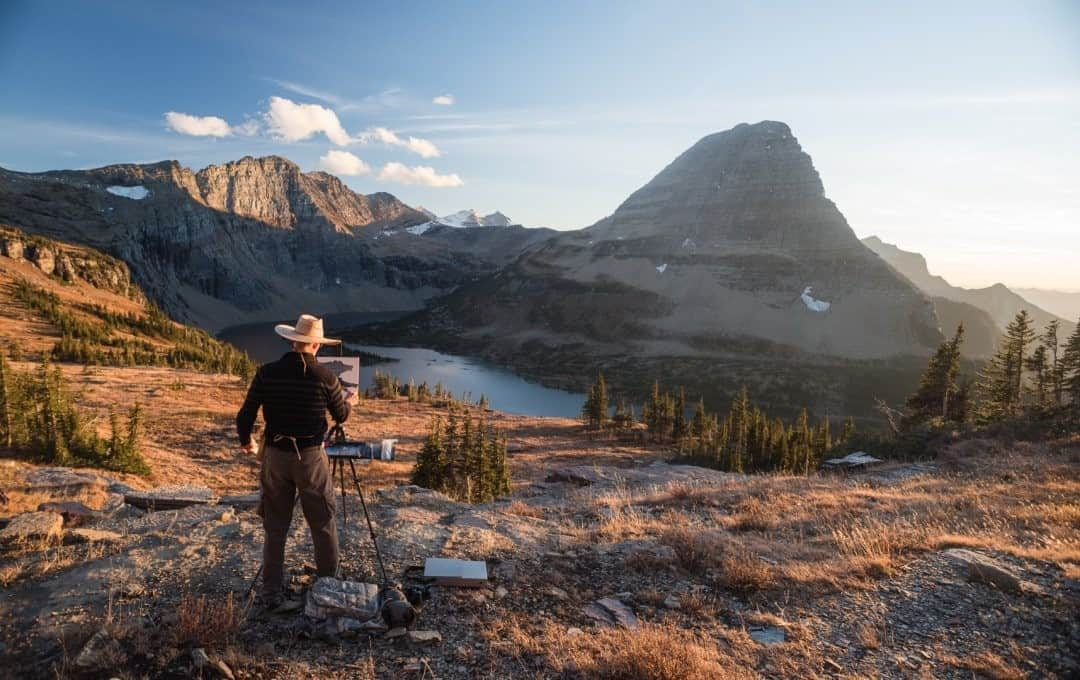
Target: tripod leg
(339, 465)
(367, 516)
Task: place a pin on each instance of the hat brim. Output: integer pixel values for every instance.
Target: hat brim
(289, 333)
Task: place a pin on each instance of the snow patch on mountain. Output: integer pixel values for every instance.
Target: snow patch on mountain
(463, 219)
(661, 268)
(812, 304)
(136, 193)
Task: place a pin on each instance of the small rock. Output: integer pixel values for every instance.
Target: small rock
(985, 569)
(32, 526)
(424, 637)
(501, 592)
(558, 593)
(767, 635)
(672, 602)
(93, 653)
(400, 631)
(611, 612)
(574, 632)
(74, 514)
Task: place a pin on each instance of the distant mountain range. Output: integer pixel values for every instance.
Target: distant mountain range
(256, 238)
(1063, 303)
(984, 311)
(729, 268)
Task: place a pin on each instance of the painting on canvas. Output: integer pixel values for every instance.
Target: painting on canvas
(347, 370)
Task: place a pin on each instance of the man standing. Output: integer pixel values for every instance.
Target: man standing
(295, 392)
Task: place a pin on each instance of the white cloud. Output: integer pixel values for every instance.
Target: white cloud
(343, 163)
(421, 147)
(444, 100)
(197, 126)
(292, 122)
(420, 174)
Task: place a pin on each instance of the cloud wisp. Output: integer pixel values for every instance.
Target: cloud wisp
(197, 126)
(444, 100)
(423, 175)
(421, 147)
(343, 163)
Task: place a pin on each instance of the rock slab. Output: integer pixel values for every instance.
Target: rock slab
(985, 569)
(32, 526)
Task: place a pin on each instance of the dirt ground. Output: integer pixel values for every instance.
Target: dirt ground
(728, 576)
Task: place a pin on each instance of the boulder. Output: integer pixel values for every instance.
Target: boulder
(13, 248)
(424, 637)
(74, 514)
(656, 474)
(32, 526)
(63, 480)
(611, 613)
(44, 259)
(331, 597)
(170, 497)
(985, 569)
(97, 651)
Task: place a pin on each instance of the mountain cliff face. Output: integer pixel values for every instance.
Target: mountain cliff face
(734, 242)
(252, 239)
(998, 302)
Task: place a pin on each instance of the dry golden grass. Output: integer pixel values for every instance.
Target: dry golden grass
(209, 622)
(654, 652)
(985, 664)
(525, 510)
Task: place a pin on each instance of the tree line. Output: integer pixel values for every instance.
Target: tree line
(38, 418)
(92, 339)
(1033, 376)
(463, 458)
(744, 439)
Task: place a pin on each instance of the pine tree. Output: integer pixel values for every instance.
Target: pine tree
(595, 410)
(1039, 366)
(700, 422)
(937, 389)
(1070, 368)
(7, 403)
(848, 431)
(1003, 377)
(678, 425)
(1052, 344)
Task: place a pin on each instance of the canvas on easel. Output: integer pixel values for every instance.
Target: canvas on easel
(347, 370)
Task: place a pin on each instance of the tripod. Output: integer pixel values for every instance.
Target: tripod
(338, 470)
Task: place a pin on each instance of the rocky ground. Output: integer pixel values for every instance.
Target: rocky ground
(604, 562)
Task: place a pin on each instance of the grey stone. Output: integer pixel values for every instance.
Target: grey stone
(92, 656)
(767, 635)
(425, 637)
(331, 597)
(985, 569)
(611, 612)
(32, 526)
(83, 535)
(170, 497)
(65, 480)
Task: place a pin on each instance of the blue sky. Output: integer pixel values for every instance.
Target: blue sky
(952, 129)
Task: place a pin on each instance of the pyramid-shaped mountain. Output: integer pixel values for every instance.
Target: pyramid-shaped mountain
(733, 247)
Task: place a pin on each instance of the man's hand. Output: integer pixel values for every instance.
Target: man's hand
(248, 449)
(352, 398)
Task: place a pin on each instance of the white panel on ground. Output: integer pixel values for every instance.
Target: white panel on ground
(452, 572)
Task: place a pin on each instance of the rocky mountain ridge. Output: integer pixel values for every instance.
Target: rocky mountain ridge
(252, 239)
(998, 302)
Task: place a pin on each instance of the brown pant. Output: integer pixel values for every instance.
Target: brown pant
(284, 473)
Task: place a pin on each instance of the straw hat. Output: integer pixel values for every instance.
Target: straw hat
(308, 329)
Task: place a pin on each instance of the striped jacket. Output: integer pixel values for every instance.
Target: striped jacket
(295, 392)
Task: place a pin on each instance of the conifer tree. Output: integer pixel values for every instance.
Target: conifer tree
(938, 388)
(1070, 369)
(678, 425)
(848, 431)
(1039, 365)
(7, 405)
(1052, 344)
(595, 410)
(1003, 377)
(699, 423)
